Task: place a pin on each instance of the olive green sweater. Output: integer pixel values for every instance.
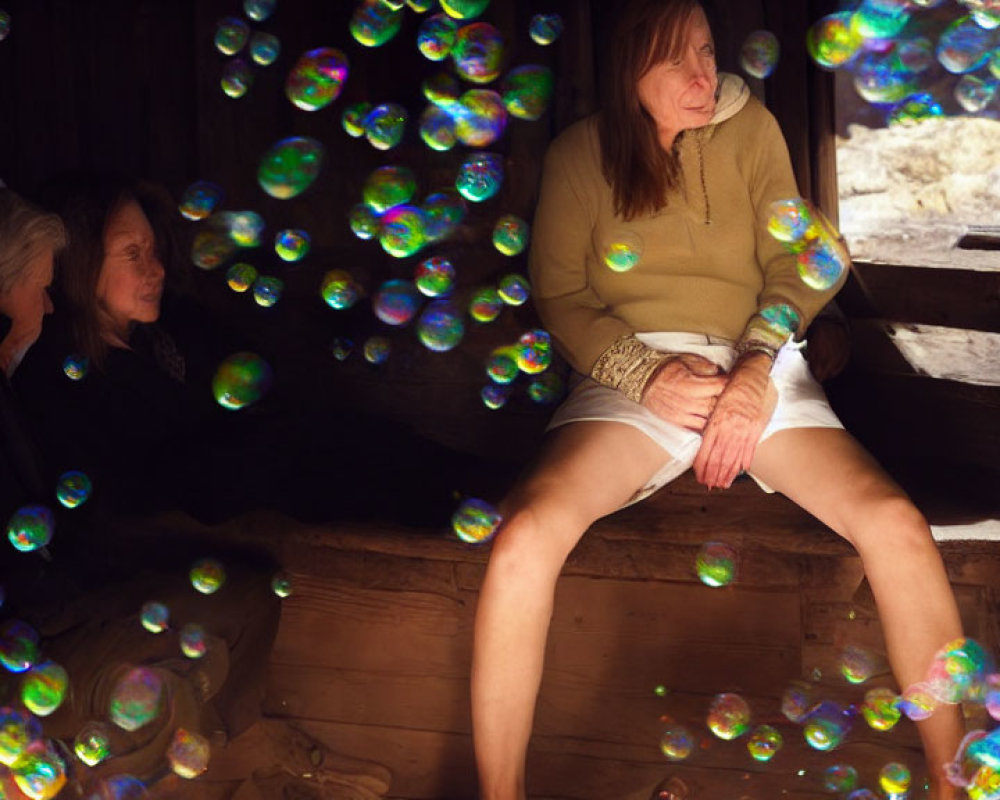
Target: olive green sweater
(707, 263)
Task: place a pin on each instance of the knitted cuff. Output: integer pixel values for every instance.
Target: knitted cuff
(627, 366)
(769, 329)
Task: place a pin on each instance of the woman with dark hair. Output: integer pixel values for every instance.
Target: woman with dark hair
(687, 358)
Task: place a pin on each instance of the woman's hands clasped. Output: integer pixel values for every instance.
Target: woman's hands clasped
(684, 391)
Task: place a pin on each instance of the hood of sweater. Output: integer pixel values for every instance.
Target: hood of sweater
(733, 94)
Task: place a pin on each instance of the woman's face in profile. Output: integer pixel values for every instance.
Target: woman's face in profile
(679, 94)
(130, 284)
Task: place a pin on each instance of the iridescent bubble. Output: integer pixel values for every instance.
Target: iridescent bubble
(826, 726)
(291, 244)
(339, 289)
(501, 365)
(764, 743)
(478, 52)
(974, 93)
(389, 186)
(281, 585)
(881, 709)
(840, 778)
(92, 744)
(878, 79)
(915, 55)
(443, 212)
(75, 366)
(341, 348)
(440, 327)
(918, 702)
(434, 276)
(376, 349)
(364, 221)
(759, 54)
(30, 528)
(676, 742)
(17, 731)
(797, 700)
(259, 10)
(879, 19)
(374, 23)
(436, 36)
(267, 290)
(494, 395)
(442, 90)
(244, 227)
(958, 670)
(207, 575)
(396, 302)
(240, 276)
(188, 754)
(510, 235)
(437, 129)
(136, 699)
(480, 176)
(546, 388)
(401, 231)
(264, 48)
(514, 289)
(992, 699)
(39, 772)
(43, 688)
(317, 78)
(832, 41)
(120, 787)
(623, 252)
(894, 778)
(231, 35)
(237, 78)
(18, 645)
(480, 117)
(716, 564)
(353, 118)
(385, 126)
(826, 260)
(728, 716)
(485, 304)
(475, 521)
(73, 488)
(290, 167)
(464, 9)
(4, 24)
(790, 221)
(964, 46)
(241, 380)
(545, 28)
(211, 248)
(527, 91)
(915, 108)
(154, 616)
(199, 200)
(986, 18)
(857, 664)
(192, 640)
(534, 352)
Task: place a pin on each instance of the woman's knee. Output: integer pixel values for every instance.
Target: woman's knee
(889, 520)
(532, 542)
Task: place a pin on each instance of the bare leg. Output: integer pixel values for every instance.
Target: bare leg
(586, 470)
(831, 476)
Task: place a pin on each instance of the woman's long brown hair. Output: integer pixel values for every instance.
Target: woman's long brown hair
(640, 171)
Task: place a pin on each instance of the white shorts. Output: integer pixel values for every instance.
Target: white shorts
(801, 403)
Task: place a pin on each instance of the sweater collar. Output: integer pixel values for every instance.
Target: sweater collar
(733, 95)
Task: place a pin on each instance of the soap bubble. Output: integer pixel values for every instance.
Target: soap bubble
(464, 9)
(485, 304)
(494, 395)
(73, 488)
(199, 200)
(501, 365)
(544, 29)
(290, 166)
(623, 252)
(992, 698)
(790, 221)
(436, 37)
(913, 109)
(17, 731)
(958, 671)
(440, 327)
(510, 235)
(826, 726)
(797, 700)
(832, 41)
(39, 772)
(401, 231)
(211, 248)
(879, 79)
(375, 22)
(389, 186)
(716, 564)
(964, 46)
(341, 348)
(396, 302)
(241, 380)
(188, 754)
(317, 78)
(30, 528)
(43, 688)
(764, 743)
(546, 388)
(826, 260)
(339, 289)
(281, 585)
(443, 213)
(857, 664)
(974, 93)
(291, 244)
(514, 289)
(442, 90)
(376, 349)
(207, 575)
(353, 118)
(437, 129)
(915, 55)
(92, 744)
(480, 176)
(267, 290)
(759, 54)
(264, 48)
(434, 276)
(231, 35)
(155, 617)
(728, 716)
(676, 742)
(879, 20)
(534, 352)
(478, 52)
(475, 521)
(136, 699)
(480, 117)
(192, 640)
(881, 709)
(75, 366)
(385, 126)
(18, 645)
(244, 227)
(894, 778)
(840, 778)
(259, 10)
(364, 221)
(240, 276)
(527, 91)
(237, 78)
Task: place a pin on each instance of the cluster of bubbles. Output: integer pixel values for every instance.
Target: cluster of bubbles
(806, 232)
(900, 55)
(531, 356)
(245, 48)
